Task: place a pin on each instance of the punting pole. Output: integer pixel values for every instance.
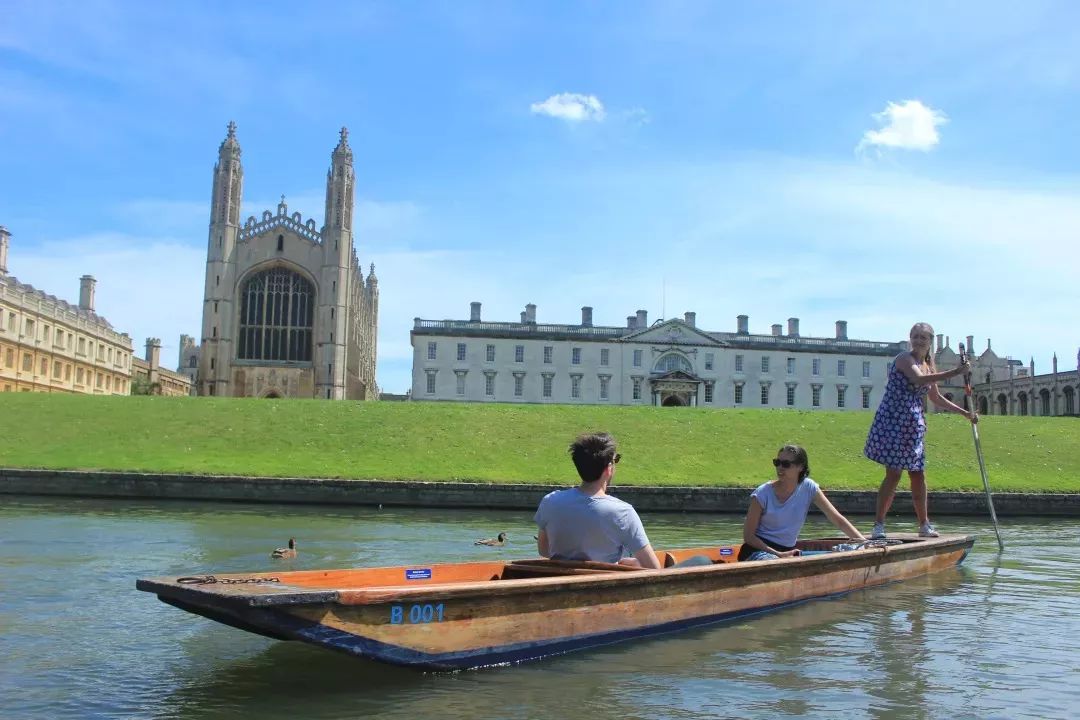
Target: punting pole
(970, 402)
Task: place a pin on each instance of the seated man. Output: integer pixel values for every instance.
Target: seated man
(585, 523)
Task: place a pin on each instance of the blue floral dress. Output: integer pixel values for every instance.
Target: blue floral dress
(899, 428)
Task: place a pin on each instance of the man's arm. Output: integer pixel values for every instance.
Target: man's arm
(542, 544)
(646, 557)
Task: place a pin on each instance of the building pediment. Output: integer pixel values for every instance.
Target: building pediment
(672, 332)
(946, 355)
(676, 376)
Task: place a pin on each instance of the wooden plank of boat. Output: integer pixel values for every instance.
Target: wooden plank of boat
(464, 615)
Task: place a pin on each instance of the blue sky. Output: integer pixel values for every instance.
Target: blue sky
(878, 163)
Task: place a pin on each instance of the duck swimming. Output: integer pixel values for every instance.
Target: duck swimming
(285, 552)
(496, 541)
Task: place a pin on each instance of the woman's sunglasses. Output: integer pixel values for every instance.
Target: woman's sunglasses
(615, 460)
(777, 462)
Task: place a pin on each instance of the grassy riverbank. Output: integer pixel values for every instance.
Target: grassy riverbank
(505, 443)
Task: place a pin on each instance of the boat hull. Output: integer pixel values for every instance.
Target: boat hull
(510, 618)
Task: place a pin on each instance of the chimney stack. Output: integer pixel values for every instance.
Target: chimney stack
(586, 316)
(777, 329)
(743, 324)
(939, 345)
(841, 329)
(153, 352)
(474, 312)
(86, 292)
(5, 240)
(530, 314)
(793, 327)
(643, 318)
(631, 321)
(971, 345)
(690, 319)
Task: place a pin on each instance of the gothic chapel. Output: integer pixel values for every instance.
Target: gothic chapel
(287, 311)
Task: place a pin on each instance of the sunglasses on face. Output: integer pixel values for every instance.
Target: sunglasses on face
(777, 462)
(615, 460)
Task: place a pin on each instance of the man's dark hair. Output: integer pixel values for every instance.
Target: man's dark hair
(592, 452)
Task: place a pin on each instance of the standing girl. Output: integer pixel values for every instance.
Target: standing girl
(899, 427)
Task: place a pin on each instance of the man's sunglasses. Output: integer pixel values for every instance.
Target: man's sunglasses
(615, 460)
(777, 462)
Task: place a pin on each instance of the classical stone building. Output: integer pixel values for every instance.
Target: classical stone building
(49, 345)
(1024, 393)
(149, 378)
(669, 362)
(287, 311)
(188, 362)
(674, 363)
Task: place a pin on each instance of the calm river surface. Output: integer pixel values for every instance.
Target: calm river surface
(993, 638)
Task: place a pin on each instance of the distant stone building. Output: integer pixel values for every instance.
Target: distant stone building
(1006, 387)
(188, 362)
(149, 378)
(668, 363)
(674, 363)
(287, 311)
(49, 345)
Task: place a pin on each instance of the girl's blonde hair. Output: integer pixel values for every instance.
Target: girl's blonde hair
(928, 361)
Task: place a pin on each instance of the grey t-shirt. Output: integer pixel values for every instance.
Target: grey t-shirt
(781, 521)
(580, 527)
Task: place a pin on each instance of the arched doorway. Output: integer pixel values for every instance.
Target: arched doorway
(673, 401)
(1070, 401)
(984, 406)
(272, 394)
(1022, 399)
(1003, 404)
(1044, 397)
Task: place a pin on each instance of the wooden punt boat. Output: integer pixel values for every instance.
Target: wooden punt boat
(474, 614)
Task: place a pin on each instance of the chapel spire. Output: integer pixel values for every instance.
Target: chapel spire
(339, 185)
(228, 181)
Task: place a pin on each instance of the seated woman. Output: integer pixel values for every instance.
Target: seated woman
(778, 509)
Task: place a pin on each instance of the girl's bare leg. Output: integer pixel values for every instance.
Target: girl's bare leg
(888, 490)
(918, 495)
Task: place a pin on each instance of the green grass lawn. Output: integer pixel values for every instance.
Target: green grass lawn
(507, 443)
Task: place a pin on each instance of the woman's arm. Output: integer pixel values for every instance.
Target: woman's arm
(945, 403)
(835, 517)
(749, 531)
(913, 371)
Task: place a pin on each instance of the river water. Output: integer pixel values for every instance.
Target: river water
(996, 637)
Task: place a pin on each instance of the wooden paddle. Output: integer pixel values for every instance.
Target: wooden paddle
(969, 402)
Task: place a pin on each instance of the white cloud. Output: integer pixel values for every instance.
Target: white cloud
(908, 125)
(637, 116)
(572, 107)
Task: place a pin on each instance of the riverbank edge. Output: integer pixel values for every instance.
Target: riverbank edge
(411, 493)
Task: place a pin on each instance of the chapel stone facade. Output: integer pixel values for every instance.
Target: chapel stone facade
(287, 311)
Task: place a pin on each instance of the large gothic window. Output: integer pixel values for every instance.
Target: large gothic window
(673, 361)
(277, 308)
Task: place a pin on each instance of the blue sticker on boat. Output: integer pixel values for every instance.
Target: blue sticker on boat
(418, 573)
(727, 551)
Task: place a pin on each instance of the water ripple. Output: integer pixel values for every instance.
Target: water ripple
(993, 638)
